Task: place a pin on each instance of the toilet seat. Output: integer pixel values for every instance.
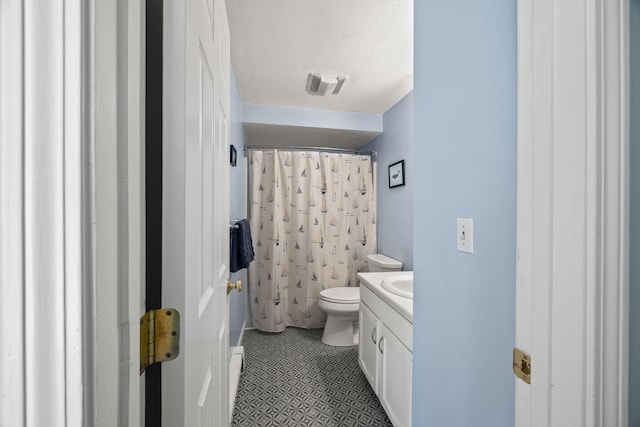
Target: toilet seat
(341, 295)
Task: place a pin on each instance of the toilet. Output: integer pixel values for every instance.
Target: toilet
(342, 305)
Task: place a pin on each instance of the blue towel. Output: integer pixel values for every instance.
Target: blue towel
(241, 246)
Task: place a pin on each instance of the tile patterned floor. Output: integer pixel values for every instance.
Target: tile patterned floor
(292, 379)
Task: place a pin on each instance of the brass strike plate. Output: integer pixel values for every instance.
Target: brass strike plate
(522, 365)
(159, 337)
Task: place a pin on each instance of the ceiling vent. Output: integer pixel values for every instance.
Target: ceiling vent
(321, 84)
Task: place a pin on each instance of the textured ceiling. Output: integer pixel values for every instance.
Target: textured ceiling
(276, 43)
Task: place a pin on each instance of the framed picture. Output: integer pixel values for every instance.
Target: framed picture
(396, 174)
(233, 153)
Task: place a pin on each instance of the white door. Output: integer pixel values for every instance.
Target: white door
(196, 213)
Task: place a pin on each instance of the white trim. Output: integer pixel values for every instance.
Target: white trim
(573, 211)
(44, 233)
(173, 183)
(614, 207)
(11, 215)
(116, 114)
(524, 219)
(135, 110)
(42, 227)
(64, 340)
(90, 349)
(236, 367)
(107, 234)
(74, 225)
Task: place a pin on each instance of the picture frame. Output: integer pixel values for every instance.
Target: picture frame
(233, 154)
(396, 174)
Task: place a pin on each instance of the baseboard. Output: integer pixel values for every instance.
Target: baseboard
(236, 366)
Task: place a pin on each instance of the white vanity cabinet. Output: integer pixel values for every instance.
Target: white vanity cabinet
(385, 355)
(368, 351)
(394, 385)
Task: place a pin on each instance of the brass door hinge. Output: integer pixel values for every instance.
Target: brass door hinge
(159, 337)
(522, 365)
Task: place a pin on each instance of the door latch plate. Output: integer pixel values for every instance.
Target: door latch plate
(522, 365)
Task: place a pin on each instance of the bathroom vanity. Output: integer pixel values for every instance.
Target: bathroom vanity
(385, 350)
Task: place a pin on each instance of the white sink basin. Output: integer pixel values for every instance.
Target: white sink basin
(399, 285)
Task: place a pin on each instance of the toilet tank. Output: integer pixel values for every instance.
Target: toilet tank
(379, 262)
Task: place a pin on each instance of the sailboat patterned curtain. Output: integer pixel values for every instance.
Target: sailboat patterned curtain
(313, 222)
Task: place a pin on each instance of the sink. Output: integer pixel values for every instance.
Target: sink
(399, 285)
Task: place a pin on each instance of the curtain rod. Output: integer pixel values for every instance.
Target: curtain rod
(371, 153)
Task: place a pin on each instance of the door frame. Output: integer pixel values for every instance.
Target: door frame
(573, 225)
(42, 220)
(69, 189)
(114, 303)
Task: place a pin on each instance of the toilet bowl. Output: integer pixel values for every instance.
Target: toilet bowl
(342, 306)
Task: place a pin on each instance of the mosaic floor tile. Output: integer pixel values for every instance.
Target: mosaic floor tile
(292, 379)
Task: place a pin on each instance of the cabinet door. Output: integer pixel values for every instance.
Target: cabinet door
(368, 349)
(394, 381)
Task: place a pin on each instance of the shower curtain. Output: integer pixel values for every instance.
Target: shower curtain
(313, 222)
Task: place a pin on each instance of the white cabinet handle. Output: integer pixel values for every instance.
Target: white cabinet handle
(373, 333)
(380, 345)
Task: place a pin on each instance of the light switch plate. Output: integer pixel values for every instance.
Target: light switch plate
(464, 235)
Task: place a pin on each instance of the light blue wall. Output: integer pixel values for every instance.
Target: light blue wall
(465, 132)
(238, 209)
(314, 118)
(395, 205)
(634, 253)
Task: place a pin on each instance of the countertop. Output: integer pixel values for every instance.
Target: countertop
(373, 281)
